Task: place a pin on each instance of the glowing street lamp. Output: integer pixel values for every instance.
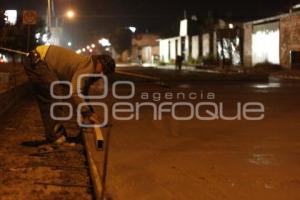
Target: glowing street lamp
(70, 14)
(11, 17)
(60, 20)
(104, 42)
(132, 29)
(69, 44)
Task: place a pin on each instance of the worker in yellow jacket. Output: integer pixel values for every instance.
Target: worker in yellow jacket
(53, 63)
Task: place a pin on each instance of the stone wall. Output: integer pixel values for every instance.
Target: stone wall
(289, 38)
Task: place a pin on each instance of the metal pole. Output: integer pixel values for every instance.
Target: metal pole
(106, 158)
(28, 38)
(49, 15)
(105, 163)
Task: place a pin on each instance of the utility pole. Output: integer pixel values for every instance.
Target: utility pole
(49, 15)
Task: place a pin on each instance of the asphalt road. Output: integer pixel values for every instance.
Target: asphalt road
(195, 159)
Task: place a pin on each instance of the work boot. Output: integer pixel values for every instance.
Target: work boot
(50, 147)
(62, 139)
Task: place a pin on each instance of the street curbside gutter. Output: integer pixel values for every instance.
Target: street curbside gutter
(91, 152)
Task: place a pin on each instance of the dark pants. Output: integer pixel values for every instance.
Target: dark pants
(41, 78)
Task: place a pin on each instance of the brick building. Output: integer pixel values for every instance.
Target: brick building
(145, 48)
(275, 40)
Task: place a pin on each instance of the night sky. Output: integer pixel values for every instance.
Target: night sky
(154, 15)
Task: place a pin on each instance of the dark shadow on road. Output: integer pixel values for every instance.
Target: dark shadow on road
(35, 143)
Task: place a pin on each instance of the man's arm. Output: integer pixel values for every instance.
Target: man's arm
(83, 86)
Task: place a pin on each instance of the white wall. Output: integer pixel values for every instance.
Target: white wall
(187, 45)
(173, 49)
(183, 28)
(179, 46)
(205, 44)
(195, 47)
(164, 50)
(266, 43)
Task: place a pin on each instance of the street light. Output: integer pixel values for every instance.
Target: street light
(132, 29)
(104, 42)
(69, 44)
(11, 17)
(70, 14)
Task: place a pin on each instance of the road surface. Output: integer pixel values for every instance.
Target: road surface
(174, 160)
(178, 160)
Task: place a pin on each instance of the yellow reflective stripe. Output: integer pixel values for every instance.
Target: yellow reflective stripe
(42, 50)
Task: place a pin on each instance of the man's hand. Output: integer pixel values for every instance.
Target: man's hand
(94, 119)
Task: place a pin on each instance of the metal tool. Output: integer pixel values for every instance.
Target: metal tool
(105, 164)
(14, 51)
(99, 138)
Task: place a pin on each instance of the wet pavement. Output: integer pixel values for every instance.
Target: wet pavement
(194, 159)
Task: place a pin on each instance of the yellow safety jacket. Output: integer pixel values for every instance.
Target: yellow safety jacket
(42, 50)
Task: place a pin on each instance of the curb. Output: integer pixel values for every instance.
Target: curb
(91, 154)
(287, 77)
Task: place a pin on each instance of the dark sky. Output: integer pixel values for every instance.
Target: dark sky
(240, 8)
(153, 15)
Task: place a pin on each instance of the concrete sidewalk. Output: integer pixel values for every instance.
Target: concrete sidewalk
(27, 174)
(169, 67)
(288, 75)
(285, 74)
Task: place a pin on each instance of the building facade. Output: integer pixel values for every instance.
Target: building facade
(219, 41)
(274, 40)
(145, 48)
(186, 44)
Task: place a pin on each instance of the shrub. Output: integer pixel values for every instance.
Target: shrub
(162, 63)
(210, 60)
(267, 66)
(193, 61)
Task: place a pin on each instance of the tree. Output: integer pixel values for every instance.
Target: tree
(2, 19)
(121, 40)
(15, 36)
